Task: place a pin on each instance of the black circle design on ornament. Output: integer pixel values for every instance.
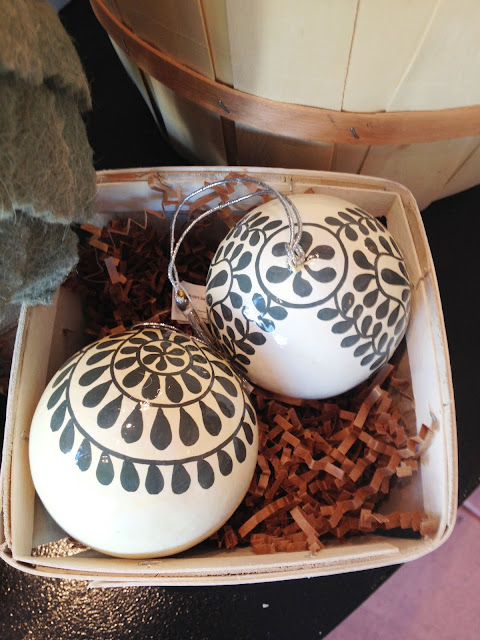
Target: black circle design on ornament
(64, 421)
(150, 365)
(300, 280)
(242, 422)
(370, 318)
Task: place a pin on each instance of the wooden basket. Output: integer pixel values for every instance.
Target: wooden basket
(47, 336)
(383, 89)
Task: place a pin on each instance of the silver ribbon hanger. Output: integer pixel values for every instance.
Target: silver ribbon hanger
(293, 249)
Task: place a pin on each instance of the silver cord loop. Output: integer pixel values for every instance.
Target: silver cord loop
(294, 251)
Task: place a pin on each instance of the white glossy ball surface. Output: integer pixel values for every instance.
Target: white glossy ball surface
(143, 444)
(319, 330)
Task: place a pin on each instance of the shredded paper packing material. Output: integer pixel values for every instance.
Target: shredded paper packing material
(336, 482)
(323, 467)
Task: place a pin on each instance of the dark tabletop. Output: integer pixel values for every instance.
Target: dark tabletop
(123, 134)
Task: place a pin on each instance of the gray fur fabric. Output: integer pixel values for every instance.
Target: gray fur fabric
(47, 178)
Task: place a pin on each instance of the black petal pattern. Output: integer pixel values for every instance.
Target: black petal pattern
(129, 478)
(189, 432)
(95, 396)
(83, 456)
(192, 384)
(108, 415)
(105, 472)
(56, 395)
(302, 287)
(161, 432)
(136, 388)
(134, 378)
(180, 479)
(228, 385)
(154, 481)
(211, 420)
(205, 474)
(173, 389)
(225, 463)
(108, 343)
(240, 449)
(248, 432)
(132, 428)
(62, 376)
(98, 357)
(92, 375)
(58, 416)
(125, 363)
(67, 438)
(226, 406)
(151, 388)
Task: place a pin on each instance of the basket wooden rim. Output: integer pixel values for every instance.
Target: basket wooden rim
(285, 119)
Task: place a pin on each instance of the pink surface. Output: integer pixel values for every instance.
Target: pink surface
(473, 503)
(437, 596)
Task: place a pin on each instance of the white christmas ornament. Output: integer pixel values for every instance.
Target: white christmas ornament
(314, 321)
(144, 443)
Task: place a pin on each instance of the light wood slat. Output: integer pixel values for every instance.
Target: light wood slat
(348, 158)
(295, 121)
(291, 50)
(195, 133)
(174, 26)
(385, 38)
(422, 168)
(446, 68)
(229, 133)
(216, 24)
(216, 27)
(466, 175)
(135, 75)
(267, 150)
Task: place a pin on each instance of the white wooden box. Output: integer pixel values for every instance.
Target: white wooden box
(49, 335)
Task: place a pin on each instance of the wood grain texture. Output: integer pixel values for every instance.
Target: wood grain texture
(423, 168)
(293, 51)
(268, 150)
(295, 121)
(174, 26)
(466, 175)
(195, 133)
(216, 25)
(349, 158)
(444, 73)
(385, 39)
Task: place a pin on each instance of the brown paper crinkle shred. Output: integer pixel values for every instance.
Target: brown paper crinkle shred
(122, 272)
(324, 468)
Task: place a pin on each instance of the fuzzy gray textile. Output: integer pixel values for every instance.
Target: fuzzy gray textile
(47, 178)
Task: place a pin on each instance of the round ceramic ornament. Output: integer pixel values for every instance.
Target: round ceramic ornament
(144, 443)
(317, 320)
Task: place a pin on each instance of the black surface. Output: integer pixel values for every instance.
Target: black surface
(453, 231)
(121, 129)
(123, 134)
